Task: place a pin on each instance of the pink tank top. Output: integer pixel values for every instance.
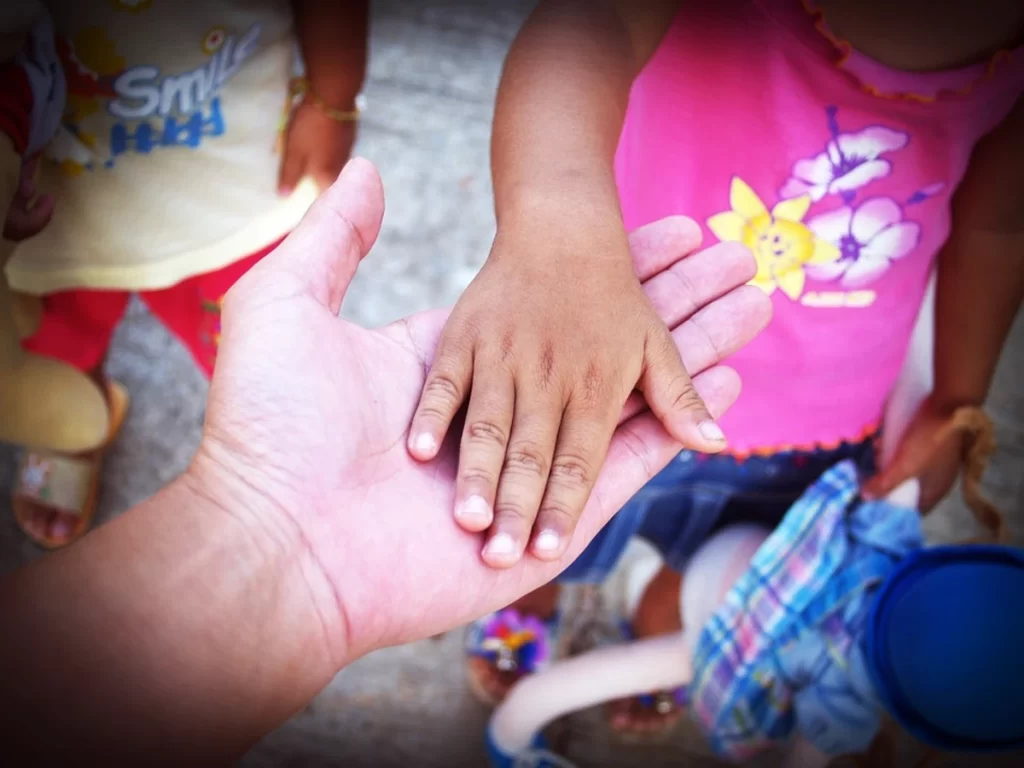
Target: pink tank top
(834, 170)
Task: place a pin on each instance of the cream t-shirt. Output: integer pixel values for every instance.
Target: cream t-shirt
(166, 163)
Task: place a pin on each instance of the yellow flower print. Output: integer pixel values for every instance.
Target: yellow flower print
(77, 108)
(778, 239)
(132, 6)
(213, 40)
(96, 50)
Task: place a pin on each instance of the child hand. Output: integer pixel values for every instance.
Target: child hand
(933, 458)
(28, 215)
(316, 145)
(546, 354)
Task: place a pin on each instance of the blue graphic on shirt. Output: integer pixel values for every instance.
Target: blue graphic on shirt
(144, 137)
(177, 110)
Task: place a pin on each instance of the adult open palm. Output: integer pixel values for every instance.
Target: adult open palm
(315, 410)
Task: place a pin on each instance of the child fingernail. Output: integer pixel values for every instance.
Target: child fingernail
(284, 191)
(475, 512)
(502, 548)
(711, 431)
(424, 444)
(547, 543)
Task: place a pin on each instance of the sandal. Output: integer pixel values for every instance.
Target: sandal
(663, 710)
(67, 486)
(510, 645)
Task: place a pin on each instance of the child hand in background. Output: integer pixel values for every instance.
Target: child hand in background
(322, 128)
(28, 214)
(317, 146)
(928, 451)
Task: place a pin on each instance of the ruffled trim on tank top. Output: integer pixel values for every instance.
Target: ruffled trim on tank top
(854, 63)
(871, 431)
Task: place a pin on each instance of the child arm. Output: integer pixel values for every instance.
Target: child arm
(555, 333)
(562, 101)
(31, 103)
(333, 40)
(980, 286)
(981, 268)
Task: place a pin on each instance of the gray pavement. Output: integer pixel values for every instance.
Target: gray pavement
(435, 65)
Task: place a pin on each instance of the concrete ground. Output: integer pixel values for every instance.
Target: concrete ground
(434, 68)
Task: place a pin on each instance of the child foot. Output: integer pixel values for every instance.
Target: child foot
(55, 496)
(504, 647)
(657, 614)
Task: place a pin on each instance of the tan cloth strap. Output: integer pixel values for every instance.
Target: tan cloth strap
(979, 445)
(60, 482)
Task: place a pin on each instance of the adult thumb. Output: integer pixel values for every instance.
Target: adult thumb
(339, 229)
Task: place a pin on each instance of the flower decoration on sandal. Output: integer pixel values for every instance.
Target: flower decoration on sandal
(514, 642)
(665, 702)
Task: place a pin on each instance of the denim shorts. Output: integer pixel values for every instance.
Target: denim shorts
(697, 495)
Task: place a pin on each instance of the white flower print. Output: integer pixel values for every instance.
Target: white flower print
(849, 162)
(869, 237)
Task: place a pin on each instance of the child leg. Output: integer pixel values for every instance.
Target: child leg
(191, 309)
(657, 614)
(674, 601)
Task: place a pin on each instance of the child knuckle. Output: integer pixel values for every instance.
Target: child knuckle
(486, 432)
(526, 459)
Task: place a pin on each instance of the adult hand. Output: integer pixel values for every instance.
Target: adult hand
(308, 418)
(303, 535)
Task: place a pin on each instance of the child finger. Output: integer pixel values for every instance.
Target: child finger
(293, 168)
(673, 398)
(640, 449)
(324, 174)
(444, 392)
(22, 224)
(26, 187)
(714, 333)
(524, 475)
(582, 442)
(898, 471)
(484, 441)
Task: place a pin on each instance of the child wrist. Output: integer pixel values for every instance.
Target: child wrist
(346, 109)
(947, 401)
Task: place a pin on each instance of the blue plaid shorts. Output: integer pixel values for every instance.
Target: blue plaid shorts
(697, 495)
(783, 652)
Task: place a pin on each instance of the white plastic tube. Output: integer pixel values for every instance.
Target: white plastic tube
(618, 671)
(604, 674)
